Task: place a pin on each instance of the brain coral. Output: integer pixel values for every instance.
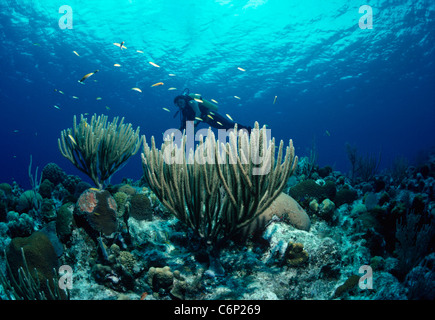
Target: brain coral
(284, 207)
(40, 256)
(53, 173)
(141, 208)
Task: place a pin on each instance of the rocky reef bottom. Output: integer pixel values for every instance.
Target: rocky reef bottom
(368, 240)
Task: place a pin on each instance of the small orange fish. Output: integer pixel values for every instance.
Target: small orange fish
(143, 296)
(157, 84)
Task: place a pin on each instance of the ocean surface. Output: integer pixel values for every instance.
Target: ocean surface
(335, 82)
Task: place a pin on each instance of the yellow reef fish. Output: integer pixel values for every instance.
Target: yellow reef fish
(94, 189)
(107, 108)
(72, 139)
(157, 84)
(98, 98)
(75, 97)
(327, 133)
(219, 123)
(57, 107)
(213, 100)
(198, 118)
(172, 88)
(120, 45)
(139, 51)
(172, 75)
(154, 65)
(96, 213)
(241, 69)
(237, 97)
(198, 100)
(87, 76)
(166, 109)
(136, 89)
(212, 113)
(75, 52)
(16, 131)
(116, 65)
(229, 117)
(274, 100)
(210, 117)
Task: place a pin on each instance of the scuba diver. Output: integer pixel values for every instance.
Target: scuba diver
(194, 108)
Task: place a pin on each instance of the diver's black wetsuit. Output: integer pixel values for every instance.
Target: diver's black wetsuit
(188, 114)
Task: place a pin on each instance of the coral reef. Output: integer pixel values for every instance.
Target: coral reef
(310, 243)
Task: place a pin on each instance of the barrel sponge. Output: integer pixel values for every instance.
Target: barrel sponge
(40, 257)
(284, 207)
(99, 208)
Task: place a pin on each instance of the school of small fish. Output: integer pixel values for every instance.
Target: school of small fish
(122, 46)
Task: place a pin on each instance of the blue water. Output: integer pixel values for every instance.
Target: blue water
(335, 83)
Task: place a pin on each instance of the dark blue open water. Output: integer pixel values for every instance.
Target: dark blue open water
(335, 83)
